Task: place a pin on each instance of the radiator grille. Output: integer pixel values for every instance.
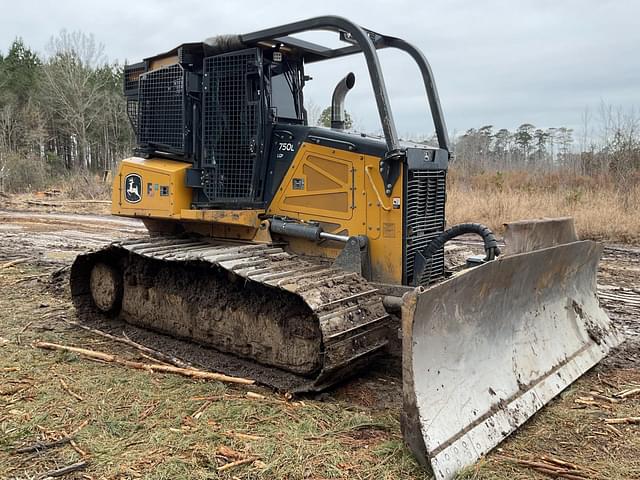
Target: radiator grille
(230, 125)
(161, 108)
(425, 199)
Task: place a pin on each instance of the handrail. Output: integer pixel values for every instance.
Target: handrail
(429, 85)
(375, 189)
(358, 35)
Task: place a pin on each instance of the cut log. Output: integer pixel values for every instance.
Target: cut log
(106, 357)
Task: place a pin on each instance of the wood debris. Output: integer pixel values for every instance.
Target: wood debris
(614, 430)
(591, 401)
(64, 470)
(75, 446)
(599, 396)
(237, 463)
(106, 357)
(170, 359)
(198, 413)
(554, 467)
(148, 411)
(229, 453)
(629, 392)
(242, 436)
(615, 421)
(66, 388)
(40, 446)
(12, 263)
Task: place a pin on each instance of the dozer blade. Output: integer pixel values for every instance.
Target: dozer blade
(483, 351)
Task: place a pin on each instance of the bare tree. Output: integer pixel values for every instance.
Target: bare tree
(313, 113)
(72, 87)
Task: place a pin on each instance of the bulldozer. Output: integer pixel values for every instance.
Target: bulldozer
(307, 249)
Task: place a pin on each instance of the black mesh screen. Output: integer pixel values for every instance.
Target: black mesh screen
(132, 113)
(425, 218)
(161, 108)
(230, 125)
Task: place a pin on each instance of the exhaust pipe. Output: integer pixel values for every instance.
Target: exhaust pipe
(337, 100)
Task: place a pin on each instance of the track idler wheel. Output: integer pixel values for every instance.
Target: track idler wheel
(105, 284)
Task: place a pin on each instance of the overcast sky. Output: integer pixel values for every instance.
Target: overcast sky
(496, 62)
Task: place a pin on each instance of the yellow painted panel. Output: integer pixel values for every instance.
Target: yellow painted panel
(317, 180)
(319, 183)
(345, 184)
(246, 218)
(337, 170)
(334, 202)
(150, 188)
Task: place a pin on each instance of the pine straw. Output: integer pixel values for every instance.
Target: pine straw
(158, 426)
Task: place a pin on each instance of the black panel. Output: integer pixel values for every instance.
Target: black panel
(285, 143)
(232, 140)
(425, 194)
(161, 121)
(357, 142)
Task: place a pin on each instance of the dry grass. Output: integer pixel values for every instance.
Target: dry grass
(601, 210)
(81, 192)
(86, 186)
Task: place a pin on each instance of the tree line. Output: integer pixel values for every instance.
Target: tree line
(609, 145)
(60, 112)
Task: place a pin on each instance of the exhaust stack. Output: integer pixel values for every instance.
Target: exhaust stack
(337, 100)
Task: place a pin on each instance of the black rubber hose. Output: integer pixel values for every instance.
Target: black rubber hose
(490, 243)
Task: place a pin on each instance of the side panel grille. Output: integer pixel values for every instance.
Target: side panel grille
(160, 116)
(424, 208)
(231, 109)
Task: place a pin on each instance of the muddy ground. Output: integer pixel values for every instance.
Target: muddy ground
(141, 425)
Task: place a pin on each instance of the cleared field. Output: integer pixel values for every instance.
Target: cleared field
(138, 424)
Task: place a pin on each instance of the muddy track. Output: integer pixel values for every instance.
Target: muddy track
(252, 300)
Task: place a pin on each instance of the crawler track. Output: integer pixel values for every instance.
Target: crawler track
(301, 317)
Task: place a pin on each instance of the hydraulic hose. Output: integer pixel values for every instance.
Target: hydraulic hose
(423, 259)
(491, 248)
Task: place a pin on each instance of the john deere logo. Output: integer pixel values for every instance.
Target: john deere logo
(133, 188)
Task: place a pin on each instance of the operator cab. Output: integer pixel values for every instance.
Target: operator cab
(233, 107)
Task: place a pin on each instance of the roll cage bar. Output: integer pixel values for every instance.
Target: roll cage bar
(366, 42)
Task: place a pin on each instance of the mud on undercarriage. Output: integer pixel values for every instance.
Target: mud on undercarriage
(305, 319)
